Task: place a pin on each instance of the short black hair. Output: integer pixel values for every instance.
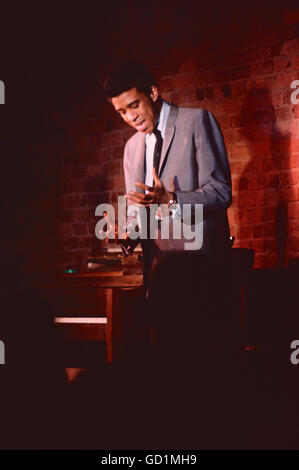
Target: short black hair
(126, 75)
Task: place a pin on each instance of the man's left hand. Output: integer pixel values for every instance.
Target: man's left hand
(156, 194)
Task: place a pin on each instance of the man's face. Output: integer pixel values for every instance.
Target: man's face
(137, 109)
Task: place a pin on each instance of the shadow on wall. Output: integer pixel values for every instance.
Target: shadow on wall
(262, 211)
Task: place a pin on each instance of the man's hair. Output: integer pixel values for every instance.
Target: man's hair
(126, 75)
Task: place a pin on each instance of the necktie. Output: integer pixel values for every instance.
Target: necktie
(157, 150)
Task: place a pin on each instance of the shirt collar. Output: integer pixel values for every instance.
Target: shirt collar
(162, 119)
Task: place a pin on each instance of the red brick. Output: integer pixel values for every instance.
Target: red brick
(277, 98)
(257, 116)
(224, 121)
(228, 135)
(242, 184)
(94, 199)
(235, 182)
(293, 244)
(244, 232)
(270, 229)
(71, 201)
(82, 215)
(84, 242)
(233, 215)
(258, 181)
(182, 82)
(250, 198)
(102, 154)
(221, 76)
(285, 163)
(270, 213)
(218, 92)
(116, 124)
(294, 176)
(239, 152)
(237, 167)
(237, 121)
(231, 105)
(270, 82)
(293, 210)
(165, 84)
(270, 245)
(240, 72)
(239, 87)
(80, 228)
(64, 230)
(284, 113)
(94, 169)
(285, 178)
(284, 79)
(270, 199)
(259, 261)
(293, 226)
(274, 180)
(290, 47)
(118, 182)
(259, 82)
(167, 96)
(294, 149)
(113, 197)
(281, 63)
(261, 148)
(253, 133)
(295, 63)
(256, 245)
(262, 68)
(289, 194)
(91, 227)
(117, 154)
(113, 138)
(251, 215)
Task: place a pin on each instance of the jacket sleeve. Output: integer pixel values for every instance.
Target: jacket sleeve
(214, 179)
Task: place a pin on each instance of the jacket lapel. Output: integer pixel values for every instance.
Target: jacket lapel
(169, 134)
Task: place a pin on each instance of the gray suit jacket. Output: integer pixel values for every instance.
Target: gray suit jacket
(194, 155)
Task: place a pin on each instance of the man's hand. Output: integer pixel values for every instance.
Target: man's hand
(156, 194)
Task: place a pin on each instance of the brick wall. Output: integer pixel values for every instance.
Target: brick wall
(238, 65)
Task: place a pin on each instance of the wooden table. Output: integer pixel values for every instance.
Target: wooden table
(91, 306)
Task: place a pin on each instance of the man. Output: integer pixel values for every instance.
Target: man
(177, 158)
(190, 167)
